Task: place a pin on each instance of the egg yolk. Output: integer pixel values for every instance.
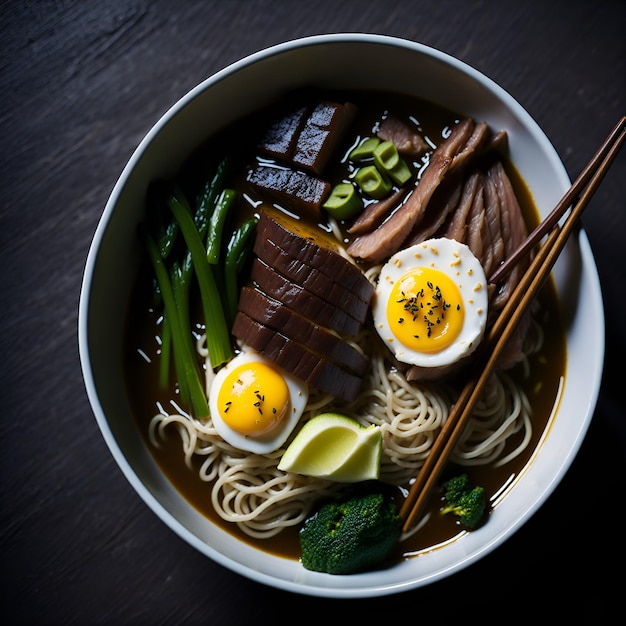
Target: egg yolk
(425, 310)
(253, 399)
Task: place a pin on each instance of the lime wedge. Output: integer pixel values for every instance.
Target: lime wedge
(336, 447)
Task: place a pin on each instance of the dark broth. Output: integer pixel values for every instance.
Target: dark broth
(541, 386)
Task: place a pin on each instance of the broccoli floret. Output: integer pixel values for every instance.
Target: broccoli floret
(464, 500)
(349, 536)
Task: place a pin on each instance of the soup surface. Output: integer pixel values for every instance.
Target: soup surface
(537, 377)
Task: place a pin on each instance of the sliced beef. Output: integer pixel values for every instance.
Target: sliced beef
(406, 139)
(495, 228)
(498, 142)
(304, 302)
(489, 220)
(298, 315)
(278, 316)
(311, 279)
(374, 213)
(514, 230)
(382, 242)
(493, 245)
(475, 236)
(315, 249)
(446, 197)
(444, 201)
(472, 148)
(300, 360)
(455, 226)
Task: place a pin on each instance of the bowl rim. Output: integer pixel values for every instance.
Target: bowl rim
(370, 589)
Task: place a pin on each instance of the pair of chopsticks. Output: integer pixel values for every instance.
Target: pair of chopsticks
(557, 232)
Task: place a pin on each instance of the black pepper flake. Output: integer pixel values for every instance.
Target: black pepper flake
(433, 307)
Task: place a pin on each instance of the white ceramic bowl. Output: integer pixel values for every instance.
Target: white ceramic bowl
(345, 61)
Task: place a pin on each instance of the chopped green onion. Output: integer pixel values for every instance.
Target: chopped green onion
(388, 160)
(373, 182)
(401, 173)
(365, 150)
(386, 156)
(344, 201)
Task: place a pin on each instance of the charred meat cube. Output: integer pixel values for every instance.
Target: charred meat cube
(290, 188)
(282, 135)
(321, 133)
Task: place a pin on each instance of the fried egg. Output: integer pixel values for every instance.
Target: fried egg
(254, 404)
(430, 303)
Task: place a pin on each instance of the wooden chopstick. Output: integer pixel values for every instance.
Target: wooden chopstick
(495, 341)
(562, 206)
(490, 350)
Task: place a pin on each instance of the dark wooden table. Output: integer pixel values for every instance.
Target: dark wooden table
(81, 83)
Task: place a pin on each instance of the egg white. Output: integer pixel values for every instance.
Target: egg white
(457, 261)
(267, 442)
